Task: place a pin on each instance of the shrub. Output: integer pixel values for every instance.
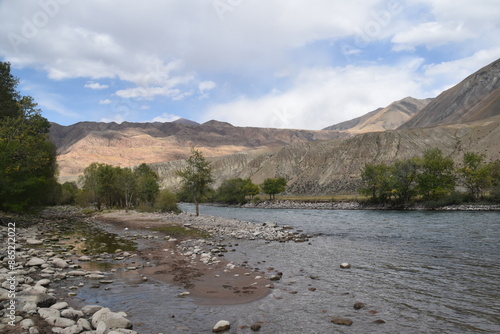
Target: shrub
(166, 201)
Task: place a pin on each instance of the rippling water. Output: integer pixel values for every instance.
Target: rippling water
(422, 272)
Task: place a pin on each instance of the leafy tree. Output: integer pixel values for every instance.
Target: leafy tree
(404, 179)
(376, 181)
(274, 186)
(475, 174)
(147, 184)
(166, 201)
(127, 185)
(437, 177)
(196, 178)
(27, 157)
(235, 191)
(69, 192)
(90, 183)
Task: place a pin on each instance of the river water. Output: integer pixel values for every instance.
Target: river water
(421, 272)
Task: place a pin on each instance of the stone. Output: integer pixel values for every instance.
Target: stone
(35, 261)
(43, 282)
(256, 327)
(84, 258)
(77, 273)
(48, 313)
(44, 300)
(75, 329)
(27, 323)
(59, 306)
(341, 321)
(221, 326)
(60, 322)
(71, 313)
(359, 306)
(31, 241)
(345, 265)
(59, 263)
(111, 319)
(90, 309)
(101, 328)
(379, 322)
(84, 324)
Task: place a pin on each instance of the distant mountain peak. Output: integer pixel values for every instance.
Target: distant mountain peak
(382, 119)
(186, 122)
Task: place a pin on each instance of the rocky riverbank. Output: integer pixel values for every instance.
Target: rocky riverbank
(39, 278)
(355, 205)
(46, 262)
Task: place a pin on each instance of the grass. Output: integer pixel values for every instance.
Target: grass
(179, 231)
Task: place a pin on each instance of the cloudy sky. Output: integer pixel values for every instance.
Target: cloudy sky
(267, 63)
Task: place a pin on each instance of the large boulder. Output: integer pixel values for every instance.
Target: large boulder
(111, 319)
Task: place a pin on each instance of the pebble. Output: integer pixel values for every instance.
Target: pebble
(221, 326)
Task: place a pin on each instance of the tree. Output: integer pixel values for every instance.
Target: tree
(196, 178)
(404, 179)
(27, 157)
(147, 184)
(475, 174)
(272, 187)
(166, 201)
(235, 191)
(89, 183)
(376, 181)
(437, 177)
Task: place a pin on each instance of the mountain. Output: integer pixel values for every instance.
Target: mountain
(334, 166)
(129, 144)
(382, 119)
(465, 118)
(477, 97)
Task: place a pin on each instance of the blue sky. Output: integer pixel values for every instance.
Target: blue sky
(265, 63)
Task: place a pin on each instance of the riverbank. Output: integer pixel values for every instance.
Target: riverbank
(60, 251)
(355, 205)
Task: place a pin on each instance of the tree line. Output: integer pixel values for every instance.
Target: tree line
(432, 178)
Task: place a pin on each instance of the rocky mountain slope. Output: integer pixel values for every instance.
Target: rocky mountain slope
(333, 166)
(465, 118)
(129, 144)
(382, 119)
(475, 98)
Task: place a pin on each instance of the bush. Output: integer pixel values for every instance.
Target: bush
(166, 201)
(145, 208)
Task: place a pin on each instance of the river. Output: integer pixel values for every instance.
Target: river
(418, 271)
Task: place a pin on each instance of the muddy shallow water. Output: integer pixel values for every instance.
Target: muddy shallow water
(419, 272)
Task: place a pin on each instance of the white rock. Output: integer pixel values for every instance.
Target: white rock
(77, 273)
(35, 261)
(345, 265)
(48, 313)
(60, 322)
(27, 323)
(31, 241)
(43, 282)
(84, 324)
(111, 319)
(90, 309)
(222, 325)
(71, 313)
(84, 258)
(59, 263)
(59, 306)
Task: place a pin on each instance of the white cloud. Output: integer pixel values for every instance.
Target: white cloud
(325, 96)
(105, 101)
(95, 85)
(166, 117)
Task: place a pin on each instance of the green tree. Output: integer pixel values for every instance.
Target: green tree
(90, 183)
(274, 186)
(475, 174)
(437, 177)
(166, 201)
(404, 179)
(235, 191)
(376, 181)
(127, 184)
(196, 178)
(69, 192)
(147, 184)
(27, 157)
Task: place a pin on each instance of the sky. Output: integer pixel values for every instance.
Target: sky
(264, 63)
